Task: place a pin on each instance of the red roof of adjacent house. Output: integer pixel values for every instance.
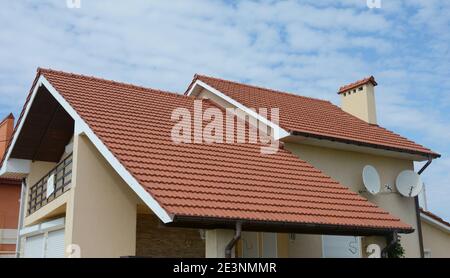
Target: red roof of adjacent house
(358, 83)
(435, 217)
(315, 117)
(226, 181)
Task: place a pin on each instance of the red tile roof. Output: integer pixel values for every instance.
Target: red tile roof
(226, 181)
(315, 117)
(435, 217)
(358, 83)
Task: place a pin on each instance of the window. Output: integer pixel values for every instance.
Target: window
(341, 247)
(269, 245)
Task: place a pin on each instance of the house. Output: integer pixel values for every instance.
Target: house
(106, 177)
(9, 197)
(436, 235)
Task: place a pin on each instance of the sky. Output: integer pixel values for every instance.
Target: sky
(307, 47)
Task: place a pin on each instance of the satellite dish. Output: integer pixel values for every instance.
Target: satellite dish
(409, 183)
(371, 179)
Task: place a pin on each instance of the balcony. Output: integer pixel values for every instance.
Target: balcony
(51, 186)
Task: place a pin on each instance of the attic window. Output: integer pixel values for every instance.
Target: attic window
(360, 88)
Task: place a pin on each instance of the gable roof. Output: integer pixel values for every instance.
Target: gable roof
(317, 118)
(211, 181)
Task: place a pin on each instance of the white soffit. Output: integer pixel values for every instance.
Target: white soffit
(15, 167)
(279, 132)
(81, 127)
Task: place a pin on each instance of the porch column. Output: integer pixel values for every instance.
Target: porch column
(216, 241)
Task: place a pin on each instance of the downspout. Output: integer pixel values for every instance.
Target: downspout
(234, 240)
(416, 201)
(392, 240)
(21, 212)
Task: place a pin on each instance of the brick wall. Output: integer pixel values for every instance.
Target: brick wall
(155, 240)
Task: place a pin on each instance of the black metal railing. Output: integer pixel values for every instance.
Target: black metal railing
(62, 181)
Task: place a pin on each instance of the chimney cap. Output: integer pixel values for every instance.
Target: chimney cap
(353, 85)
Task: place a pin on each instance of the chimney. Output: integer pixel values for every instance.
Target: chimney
(6, 130)
(358, 99)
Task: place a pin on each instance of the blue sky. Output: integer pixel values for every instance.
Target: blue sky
(308, 47)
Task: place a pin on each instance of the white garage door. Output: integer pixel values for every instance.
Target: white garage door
(55, 244)
(34, 246)
(45, 245)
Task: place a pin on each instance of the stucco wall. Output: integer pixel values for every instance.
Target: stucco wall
(305, 246)
(157, 241)
(101, 215)
(37, 171)
(436, 241)
(346, 167)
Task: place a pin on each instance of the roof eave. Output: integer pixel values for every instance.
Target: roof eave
(205, 222)
(426, 155)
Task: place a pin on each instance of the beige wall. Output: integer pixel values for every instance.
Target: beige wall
(346, 167)
(305, 246)
(435, 240)
(101, 215)
(37, 171)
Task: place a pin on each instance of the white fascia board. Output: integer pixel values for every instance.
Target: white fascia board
(81, 127)
(16, 166)
(55, 224)
(432, 221)
(279, 132)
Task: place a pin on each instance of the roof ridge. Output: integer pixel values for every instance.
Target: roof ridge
(261, 87)
(110, 81)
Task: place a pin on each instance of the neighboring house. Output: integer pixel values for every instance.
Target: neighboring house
(436, 235)
(9, 197)
(105, 179)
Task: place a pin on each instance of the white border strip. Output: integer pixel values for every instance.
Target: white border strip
(278, 131)
(434, 222)
(51, 225)
(82, 127)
